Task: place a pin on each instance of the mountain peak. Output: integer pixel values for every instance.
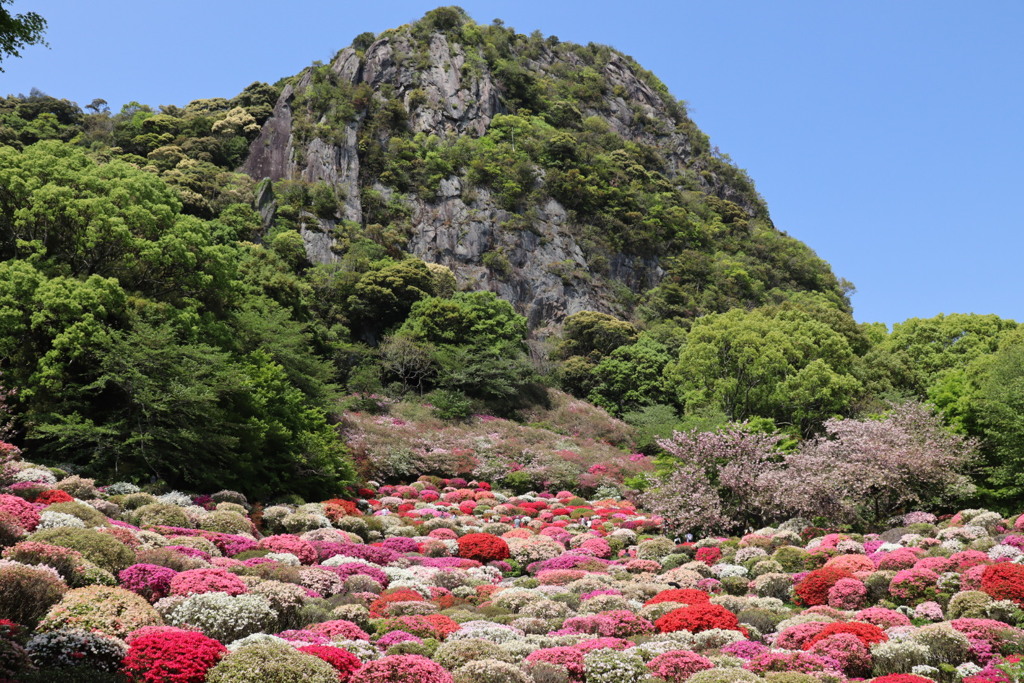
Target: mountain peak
(563, 177)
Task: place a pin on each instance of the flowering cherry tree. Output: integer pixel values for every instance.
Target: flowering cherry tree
(865, 471)
(713, 487)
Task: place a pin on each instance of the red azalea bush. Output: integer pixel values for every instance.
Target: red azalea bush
(425, 626)
(402, 669)
(343, 661)
(483, 547)
(53, 496)
(902, 678)
(9, 630)
(379, 607)
(813, 590)
(708, 555)
(172, 657)
(686, 596)
(869, 634)
(697, 618)
(1004, 581)
(677, 665)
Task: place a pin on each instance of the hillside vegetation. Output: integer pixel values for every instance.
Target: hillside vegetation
(448, 220)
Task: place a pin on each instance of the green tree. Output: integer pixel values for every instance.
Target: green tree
(149, 343)
(632, 376)
(749, 363)
(383, 297)
(479, 319)
(929, 348)
(18, 31)
(589, 331)
(157, 407)
(992, 406)
(478, 347)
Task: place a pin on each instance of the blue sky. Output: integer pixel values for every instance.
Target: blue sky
(887, 135)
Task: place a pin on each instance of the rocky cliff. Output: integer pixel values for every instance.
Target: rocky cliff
(561, 177)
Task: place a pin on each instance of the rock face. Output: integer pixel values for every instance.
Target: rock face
(535, 259)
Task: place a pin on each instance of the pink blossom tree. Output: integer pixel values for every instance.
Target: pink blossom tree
(864, 471)
(713, 486)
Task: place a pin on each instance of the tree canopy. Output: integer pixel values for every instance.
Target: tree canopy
(18, 31)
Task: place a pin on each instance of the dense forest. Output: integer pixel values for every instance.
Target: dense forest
(170, 320)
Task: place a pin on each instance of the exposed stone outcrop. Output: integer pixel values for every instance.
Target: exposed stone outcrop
(537, 265)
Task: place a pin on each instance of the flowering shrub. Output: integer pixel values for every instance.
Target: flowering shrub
(570, 658)
(814, 588)
(109, 610)
(796, 662)
(402, 669)
(214, 580)
(219, 615)
(611, 666)
(869, 634)
(148, 580)
(708, 555)
(490, 671)
(847, 594)
(902, 678)
(612, 624)
(697, 618)
(28, 591)
(847, 651)
(75, 647)
(68, 563)
(271, 662)
(914, 585)
(102, 549)
(25, 512)
(424, 626)
(13, 660)
(53, 496)
(676, 666)
(850, 563)
(1004, 582)
(685, 596)
(483, 547)
(343, 661)
(880, 616)
(340, 628)
(304, 550)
